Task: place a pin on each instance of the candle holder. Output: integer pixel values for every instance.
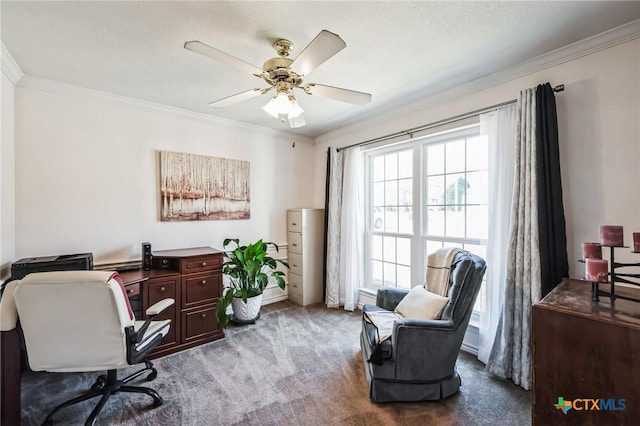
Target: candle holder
(615, 276)
(612, 235)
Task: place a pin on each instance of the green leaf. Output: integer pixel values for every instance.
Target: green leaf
(221, 308)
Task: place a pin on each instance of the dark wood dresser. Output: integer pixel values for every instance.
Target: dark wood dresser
(193, 277)
(585, 350)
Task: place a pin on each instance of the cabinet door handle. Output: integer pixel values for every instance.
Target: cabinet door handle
(204, 263)
(203, 315)
(163, 288)
(203, 282)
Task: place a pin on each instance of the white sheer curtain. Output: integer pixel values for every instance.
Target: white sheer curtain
(345, 237)
(510, 355)
(499, 128)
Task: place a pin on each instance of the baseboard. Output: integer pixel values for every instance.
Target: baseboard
(274, 299)
(471, 340)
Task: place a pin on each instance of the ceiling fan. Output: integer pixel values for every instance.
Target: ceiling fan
(284, 75)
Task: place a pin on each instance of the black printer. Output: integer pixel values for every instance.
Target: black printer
(64, 262)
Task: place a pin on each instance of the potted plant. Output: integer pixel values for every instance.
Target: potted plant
(249, 268)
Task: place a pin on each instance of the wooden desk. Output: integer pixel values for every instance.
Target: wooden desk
(193, 278)
(585, 350)
(10, 378)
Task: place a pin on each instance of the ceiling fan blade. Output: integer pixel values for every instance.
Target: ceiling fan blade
(237, 98)
(324, 46)
(219, 55)
(338, 94)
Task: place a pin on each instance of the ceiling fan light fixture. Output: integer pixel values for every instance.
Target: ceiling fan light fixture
(296, 109)
(285, 107)
(297, 121)
(295, 117)
(278, 105)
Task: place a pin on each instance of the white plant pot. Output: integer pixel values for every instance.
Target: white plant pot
(246, 311)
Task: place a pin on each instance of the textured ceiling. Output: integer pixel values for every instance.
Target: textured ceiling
(397, 51)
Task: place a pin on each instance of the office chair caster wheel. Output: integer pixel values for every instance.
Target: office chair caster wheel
(157, 402)
(152, 375)
(100, 382)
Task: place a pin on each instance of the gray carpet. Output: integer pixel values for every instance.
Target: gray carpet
(295, 366)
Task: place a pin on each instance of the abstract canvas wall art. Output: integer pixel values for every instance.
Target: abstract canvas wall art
(198, 187)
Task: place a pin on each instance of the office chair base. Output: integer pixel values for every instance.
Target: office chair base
(107, 385)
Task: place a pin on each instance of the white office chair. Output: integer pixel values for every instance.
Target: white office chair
(78, 321)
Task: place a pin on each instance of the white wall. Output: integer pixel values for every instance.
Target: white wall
(87, 178)
(7, 191)
(599, 124)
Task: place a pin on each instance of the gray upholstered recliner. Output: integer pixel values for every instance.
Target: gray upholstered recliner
(419, 361)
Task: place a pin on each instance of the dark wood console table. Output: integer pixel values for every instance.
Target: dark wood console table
(583, 349)
(193, 277)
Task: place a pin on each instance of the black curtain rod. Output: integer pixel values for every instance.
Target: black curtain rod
(409, 132)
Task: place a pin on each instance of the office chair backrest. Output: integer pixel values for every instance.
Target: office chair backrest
(74, 320)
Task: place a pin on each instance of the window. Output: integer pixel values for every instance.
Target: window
(391, 218)
(423, 195)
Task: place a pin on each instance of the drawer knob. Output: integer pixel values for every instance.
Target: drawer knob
(129, 291)
(204, 263)
(295, 245)
(295, 266)
(203, 315)
(163, 288)
(203, 282)
(294, 224)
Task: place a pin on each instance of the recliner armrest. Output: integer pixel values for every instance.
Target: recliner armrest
(423, 323)
(158, 307)
(388, 298)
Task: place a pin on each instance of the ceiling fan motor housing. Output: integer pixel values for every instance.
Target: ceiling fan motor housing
(277, 69)
(283, 47)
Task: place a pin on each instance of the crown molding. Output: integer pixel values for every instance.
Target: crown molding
(590, 45)
(587, 46)
(65, 89)
(9, 66)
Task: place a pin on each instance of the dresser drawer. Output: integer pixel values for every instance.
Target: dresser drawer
(295, 263)
(294, 221)
(202, 264)
(199, 323)
(294, 239)
(200, 288)
(162, 289)
(157, 290)
(132, 289)
(295, 284)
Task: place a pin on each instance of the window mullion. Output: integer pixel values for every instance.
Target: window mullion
(417, 246)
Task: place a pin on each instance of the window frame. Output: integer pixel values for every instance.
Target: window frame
(419, 235)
